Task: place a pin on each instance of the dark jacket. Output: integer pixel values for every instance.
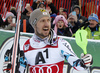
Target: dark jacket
(29, 28)
(64, 32)
(75, 27)
(81, 17)
(53, 8)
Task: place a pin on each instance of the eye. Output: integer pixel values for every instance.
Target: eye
(42, 21)
(48, 20)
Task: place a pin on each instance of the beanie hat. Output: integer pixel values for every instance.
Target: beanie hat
(36, 15)
(76, 6)
(93, 16)
(59, 17)
(9, 14)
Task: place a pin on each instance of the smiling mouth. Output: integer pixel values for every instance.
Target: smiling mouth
(46, 29)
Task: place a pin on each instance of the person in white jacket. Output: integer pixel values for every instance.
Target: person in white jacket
(45, 52)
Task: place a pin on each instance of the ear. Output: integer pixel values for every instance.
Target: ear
(34, 27)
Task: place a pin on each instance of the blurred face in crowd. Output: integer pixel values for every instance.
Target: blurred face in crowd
(9, 19)
(71, 20)
(64, 14)
(76, 10)
(61, 10)
(42, 28)
(60, 24)
(42, 6)
(93, 23)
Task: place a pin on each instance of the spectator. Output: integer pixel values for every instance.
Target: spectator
(8, 24)
(41, 4)
(63, 12)
(70, 5)
(93, 29)
(77, 9)
(25, 15)
(73, 23)
(13, 10)
(61, 27)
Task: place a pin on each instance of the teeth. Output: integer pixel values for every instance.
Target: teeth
(45, 28)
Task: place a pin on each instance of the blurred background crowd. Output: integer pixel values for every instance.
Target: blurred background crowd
(67, 16)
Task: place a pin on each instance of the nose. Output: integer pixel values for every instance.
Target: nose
(47, 23)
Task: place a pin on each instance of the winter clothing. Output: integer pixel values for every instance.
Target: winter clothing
(93, 33)
(79, 15)
(37, 14)
(9, 14)
(51, 5)
(76, 6)
(42, 4)
(64, 31)
(29, 28)
(75, 27)
(59, 17)
(93, 16)
(47, 56)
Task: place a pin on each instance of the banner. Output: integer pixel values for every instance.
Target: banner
(93, 47)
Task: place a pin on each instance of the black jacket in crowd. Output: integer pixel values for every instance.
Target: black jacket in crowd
(51, 5)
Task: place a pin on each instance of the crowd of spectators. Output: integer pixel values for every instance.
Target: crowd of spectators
(64, 24)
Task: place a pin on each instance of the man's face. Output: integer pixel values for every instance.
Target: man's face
(93, 23)
(71, 20)
(76, 10)
(42, 28)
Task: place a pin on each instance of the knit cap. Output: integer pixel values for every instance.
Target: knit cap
(93, 16)
(58, 18)
(36, 15)
(76, 6)
(9, 14)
